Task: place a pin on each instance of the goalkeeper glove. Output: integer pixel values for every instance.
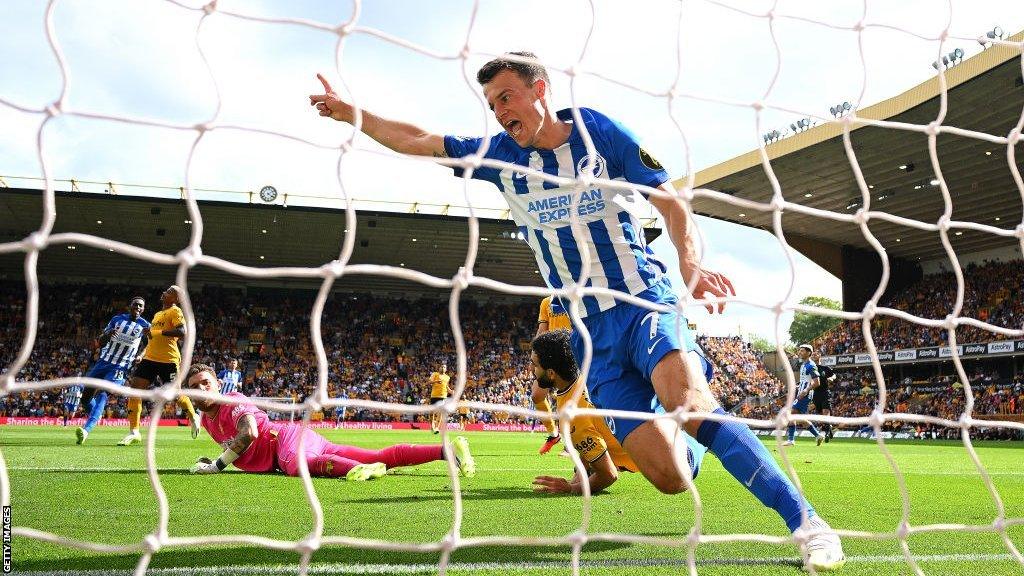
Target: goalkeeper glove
(204, 466)
(207, 466)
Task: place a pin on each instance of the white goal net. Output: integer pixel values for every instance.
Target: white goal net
(675, 96)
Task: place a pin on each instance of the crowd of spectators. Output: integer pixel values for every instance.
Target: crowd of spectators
(739, 372)
(993, 292)
(384, 349)
(941, 396)
(380, 349)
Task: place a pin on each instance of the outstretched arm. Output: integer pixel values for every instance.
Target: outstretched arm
(247, 433)
(398, 136)
(678, 222)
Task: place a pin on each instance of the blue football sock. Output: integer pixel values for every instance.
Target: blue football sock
(791, 432)
(749, 462)
(813, 429)
(96, 406)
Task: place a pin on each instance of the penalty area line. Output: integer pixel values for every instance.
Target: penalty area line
(341, 568)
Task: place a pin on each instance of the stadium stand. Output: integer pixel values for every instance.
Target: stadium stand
(993, 292)
(941, 395)
(385, 348)
(380, 348)
(739, 371)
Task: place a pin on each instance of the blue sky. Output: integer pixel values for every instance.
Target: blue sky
(139, 59)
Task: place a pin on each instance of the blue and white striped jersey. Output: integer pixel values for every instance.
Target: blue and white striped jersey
(808, 372)
(125, 338)
(229, 380)
(71, 396)
(611, 234)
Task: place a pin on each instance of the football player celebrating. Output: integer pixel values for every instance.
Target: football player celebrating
(639, 355)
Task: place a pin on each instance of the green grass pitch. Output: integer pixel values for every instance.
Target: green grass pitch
(100, 492)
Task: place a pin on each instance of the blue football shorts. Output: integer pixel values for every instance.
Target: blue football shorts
(628, 342)
(107, 371)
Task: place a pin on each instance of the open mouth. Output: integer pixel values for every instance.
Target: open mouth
(513, 127)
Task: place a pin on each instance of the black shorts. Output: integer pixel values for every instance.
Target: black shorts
(437, 400)
(151, 370)
(822, 400)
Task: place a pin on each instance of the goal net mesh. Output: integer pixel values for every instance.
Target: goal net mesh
(328, 273)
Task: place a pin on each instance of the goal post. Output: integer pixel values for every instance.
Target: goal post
(283, 416)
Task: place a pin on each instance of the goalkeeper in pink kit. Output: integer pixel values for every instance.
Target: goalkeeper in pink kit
(255, 444)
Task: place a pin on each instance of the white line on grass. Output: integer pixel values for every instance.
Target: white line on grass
(91, 469)
(337, 568)
(409, 471)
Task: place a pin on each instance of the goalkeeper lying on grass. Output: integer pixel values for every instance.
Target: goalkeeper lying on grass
(255, 444)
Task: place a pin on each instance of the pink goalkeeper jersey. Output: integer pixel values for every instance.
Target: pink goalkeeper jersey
(259, 457)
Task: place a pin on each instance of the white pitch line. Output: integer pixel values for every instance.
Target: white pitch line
(90, 469)
(559, 469)
(336, 568)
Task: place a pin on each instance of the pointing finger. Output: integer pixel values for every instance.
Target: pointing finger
(327, 85)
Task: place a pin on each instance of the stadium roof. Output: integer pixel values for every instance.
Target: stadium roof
(258, 235)
(985, 94)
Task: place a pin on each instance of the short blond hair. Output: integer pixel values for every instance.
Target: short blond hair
(199, 369)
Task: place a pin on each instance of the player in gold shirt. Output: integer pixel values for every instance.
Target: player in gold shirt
(555, 368)
(160, 361)
(439, 391)
(552, 317)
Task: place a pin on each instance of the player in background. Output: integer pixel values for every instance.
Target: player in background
(439, 391)
(120, 343)
(230, 378)
(639, 355)
(160, 361)
(71, 397)
(865, 388)
(809, 381)
(340, 412)
(255, 444)
(822, 394)
(555, 369)
(551, 317)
